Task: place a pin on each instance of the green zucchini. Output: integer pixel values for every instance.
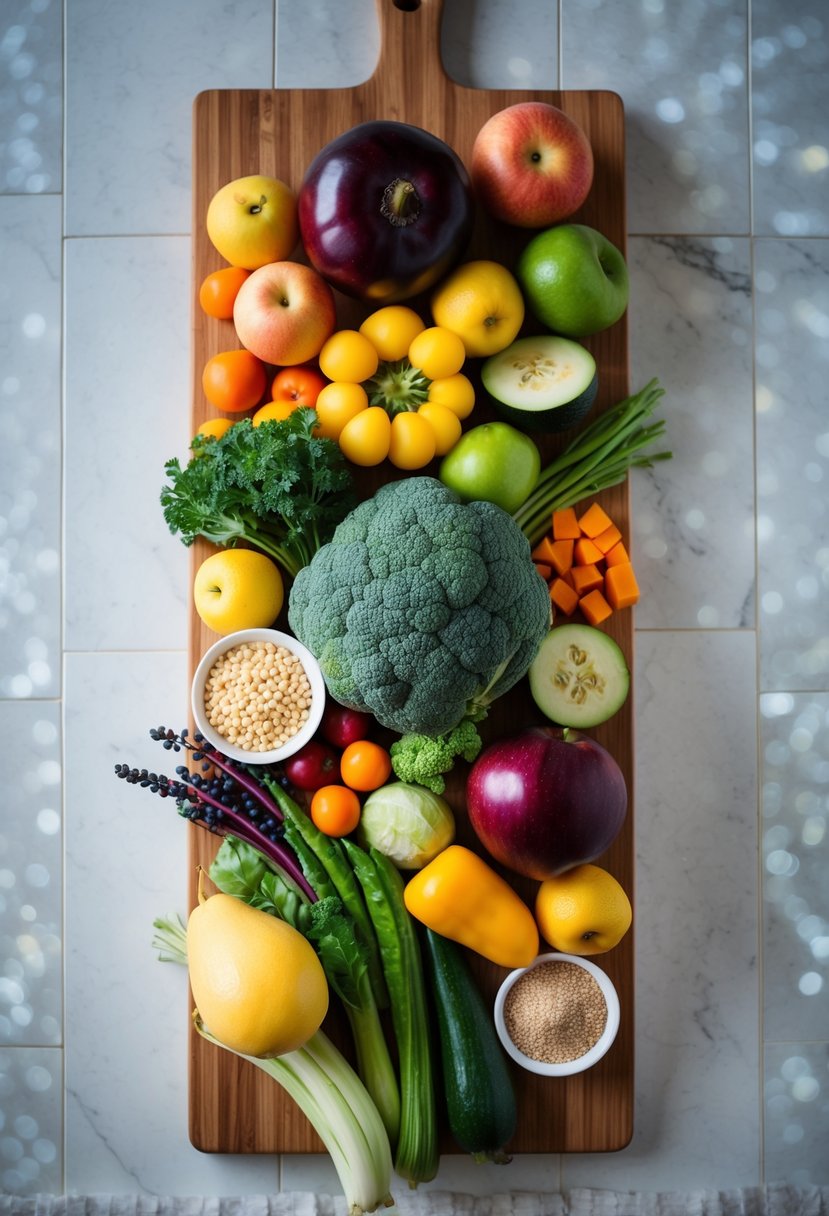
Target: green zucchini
(478, 1090)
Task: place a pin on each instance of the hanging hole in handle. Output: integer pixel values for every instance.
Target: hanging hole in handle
(407, 6)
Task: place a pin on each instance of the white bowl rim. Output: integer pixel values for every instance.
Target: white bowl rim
(599, 1048)
(312, 669)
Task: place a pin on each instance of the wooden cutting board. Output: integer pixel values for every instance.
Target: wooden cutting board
(233, 1108)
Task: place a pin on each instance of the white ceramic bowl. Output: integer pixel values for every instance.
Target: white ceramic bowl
(312, 670)
(595, 1053)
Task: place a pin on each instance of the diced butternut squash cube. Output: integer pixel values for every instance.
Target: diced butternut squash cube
(565, 524)
(563, 596)
(617, 556)
(586, 553)
(567, 577)
(544, 570)
(562, 555)
(543, 551)
(607, 539)
(594, 521)
(594, 607)
(621, 587)
(586, 578)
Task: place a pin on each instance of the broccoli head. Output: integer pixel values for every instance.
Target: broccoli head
(421, 609)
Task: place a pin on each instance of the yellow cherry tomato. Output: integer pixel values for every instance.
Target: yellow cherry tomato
(437, 352)
(336, 405)
(348, 355)
(445, 424)
(391, 330)
(274, 409)
(456, 392)
(365, 438)
(214, 428)
(413, 442)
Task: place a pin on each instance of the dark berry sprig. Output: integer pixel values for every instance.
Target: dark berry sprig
(212, 799)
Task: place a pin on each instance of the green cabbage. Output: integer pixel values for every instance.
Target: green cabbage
(407, 823)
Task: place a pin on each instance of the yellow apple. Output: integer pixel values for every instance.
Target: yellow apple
(253, 220)
(583, 911)
(238, 589)
(482, 303)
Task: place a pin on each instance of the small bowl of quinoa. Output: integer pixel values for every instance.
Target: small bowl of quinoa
(258, 695)
(558, 1016)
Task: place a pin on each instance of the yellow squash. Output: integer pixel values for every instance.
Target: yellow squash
(257, 983)
(459, 896)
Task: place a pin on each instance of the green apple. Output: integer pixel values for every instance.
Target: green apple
(492, 463)
(574, 280)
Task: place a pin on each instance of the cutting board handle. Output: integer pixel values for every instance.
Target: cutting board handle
(409, 45)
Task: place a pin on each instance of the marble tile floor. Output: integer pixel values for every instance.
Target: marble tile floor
(729, 254)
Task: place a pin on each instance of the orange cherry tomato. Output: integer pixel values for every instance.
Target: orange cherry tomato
(365, 765)
(218, 291)
(234, 381)
(335, 810)
(302, 385)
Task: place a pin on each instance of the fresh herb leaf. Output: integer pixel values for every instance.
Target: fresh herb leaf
(277, 486)
(343, 957)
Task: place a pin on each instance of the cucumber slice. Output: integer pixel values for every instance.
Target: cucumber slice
(545, 383)
(579, 677)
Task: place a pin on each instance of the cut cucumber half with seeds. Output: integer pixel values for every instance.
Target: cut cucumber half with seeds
(544, 384)
(579, 677)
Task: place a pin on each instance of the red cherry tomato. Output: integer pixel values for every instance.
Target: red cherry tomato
(341, 726)
(301, 385)
(312, 767)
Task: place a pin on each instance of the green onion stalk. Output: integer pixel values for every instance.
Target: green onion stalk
(327, 1090)
(600, 456)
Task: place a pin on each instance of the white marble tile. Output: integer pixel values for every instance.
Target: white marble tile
(31, 875)
(790, 99)
(696, 1119)
(794, 769)
(127, 411)
(132, 74)
(797, 1113)
(126, 1013)
(792, 355)
(693, 516)
(681, 72)
(31, 96)
(30, 447)
(31, 1121)
(325, 44)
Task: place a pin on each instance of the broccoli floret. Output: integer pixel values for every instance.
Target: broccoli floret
(421, 609)
(421, 760)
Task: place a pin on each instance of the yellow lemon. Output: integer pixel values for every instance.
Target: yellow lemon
(583, 911)
(482, 303)
(257, 983)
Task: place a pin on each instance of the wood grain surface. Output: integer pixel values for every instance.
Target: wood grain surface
(233, 1108)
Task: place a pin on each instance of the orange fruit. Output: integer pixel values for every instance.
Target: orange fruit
(278, 410)
(335, 810)
(218, 291)
(365, 765)
(234, 381)
(215, 427)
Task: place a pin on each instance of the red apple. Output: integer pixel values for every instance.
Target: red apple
(284, 313)
(532, 165)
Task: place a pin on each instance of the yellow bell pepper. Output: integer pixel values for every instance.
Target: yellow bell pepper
(460, 897)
